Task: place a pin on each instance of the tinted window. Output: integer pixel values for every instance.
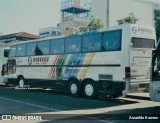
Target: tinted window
(31, 48)
(112, 41)
(57, 46)
(143, 43)
(43, 48)
(12, 52)
(73, 44)
(21, 49)
(6, 52)
(92, 42)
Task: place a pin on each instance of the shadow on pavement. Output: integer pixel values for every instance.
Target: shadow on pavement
(50, 99)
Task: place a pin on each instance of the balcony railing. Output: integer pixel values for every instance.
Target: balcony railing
(74, 17)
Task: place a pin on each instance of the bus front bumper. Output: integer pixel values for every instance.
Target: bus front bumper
(3, 80)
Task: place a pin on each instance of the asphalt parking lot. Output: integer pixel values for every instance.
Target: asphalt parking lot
(60, 107)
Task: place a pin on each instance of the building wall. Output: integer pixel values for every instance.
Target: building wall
(156, 5)
(143, 10)
(70, 23)
(73, 26)
(49, 32)
(119, 9)
(99, 10)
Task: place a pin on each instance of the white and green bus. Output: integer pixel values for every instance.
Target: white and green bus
(110, 63)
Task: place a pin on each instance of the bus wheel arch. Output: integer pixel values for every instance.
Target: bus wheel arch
(89, 89)
(74, 87)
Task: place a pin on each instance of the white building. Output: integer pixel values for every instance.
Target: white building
(109, 11)
(86, 4)
(49, 32)
(75, 14)
(156, 5)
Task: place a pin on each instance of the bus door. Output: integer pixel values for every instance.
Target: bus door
(155, 83)
(10, 67)
(3, 59)
(140, 62)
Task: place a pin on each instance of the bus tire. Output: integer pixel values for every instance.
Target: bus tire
(90, 90)
(75, 88)
(21, 82)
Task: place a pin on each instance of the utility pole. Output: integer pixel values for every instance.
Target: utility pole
(107, 14)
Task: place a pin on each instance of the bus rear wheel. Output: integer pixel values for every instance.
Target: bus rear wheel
(75, 88)
(90, 90)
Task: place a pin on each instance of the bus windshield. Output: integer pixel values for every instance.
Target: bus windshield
(143, 43)
(156, 66)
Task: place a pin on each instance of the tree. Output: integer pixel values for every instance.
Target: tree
(130, 19)
(157, 22)
(94, 24)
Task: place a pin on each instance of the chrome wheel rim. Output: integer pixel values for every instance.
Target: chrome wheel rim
(21, 83)
(89, 89)
(73, 88)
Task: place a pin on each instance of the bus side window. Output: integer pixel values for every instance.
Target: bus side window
(31, 47)
(21, 49)
(94, 46)
(43, 47)
(46, 50)
(73, 44)
(12, 52)
(92, 42)
(57, 46)
(112, 41)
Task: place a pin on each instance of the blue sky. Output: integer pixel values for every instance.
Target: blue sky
(28, 15)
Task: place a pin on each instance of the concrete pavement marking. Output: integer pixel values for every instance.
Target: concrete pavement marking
(39, 106)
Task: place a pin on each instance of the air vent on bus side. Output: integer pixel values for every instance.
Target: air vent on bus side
(105, 77)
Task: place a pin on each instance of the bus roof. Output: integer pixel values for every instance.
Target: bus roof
(129, 26)
(48, 38)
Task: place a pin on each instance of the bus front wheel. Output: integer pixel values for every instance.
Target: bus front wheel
(74, 88)
(90, 90)
(21, 82)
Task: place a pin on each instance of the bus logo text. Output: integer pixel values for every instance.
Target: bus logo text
(141, 30)
(29, 60)
(38, 60)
